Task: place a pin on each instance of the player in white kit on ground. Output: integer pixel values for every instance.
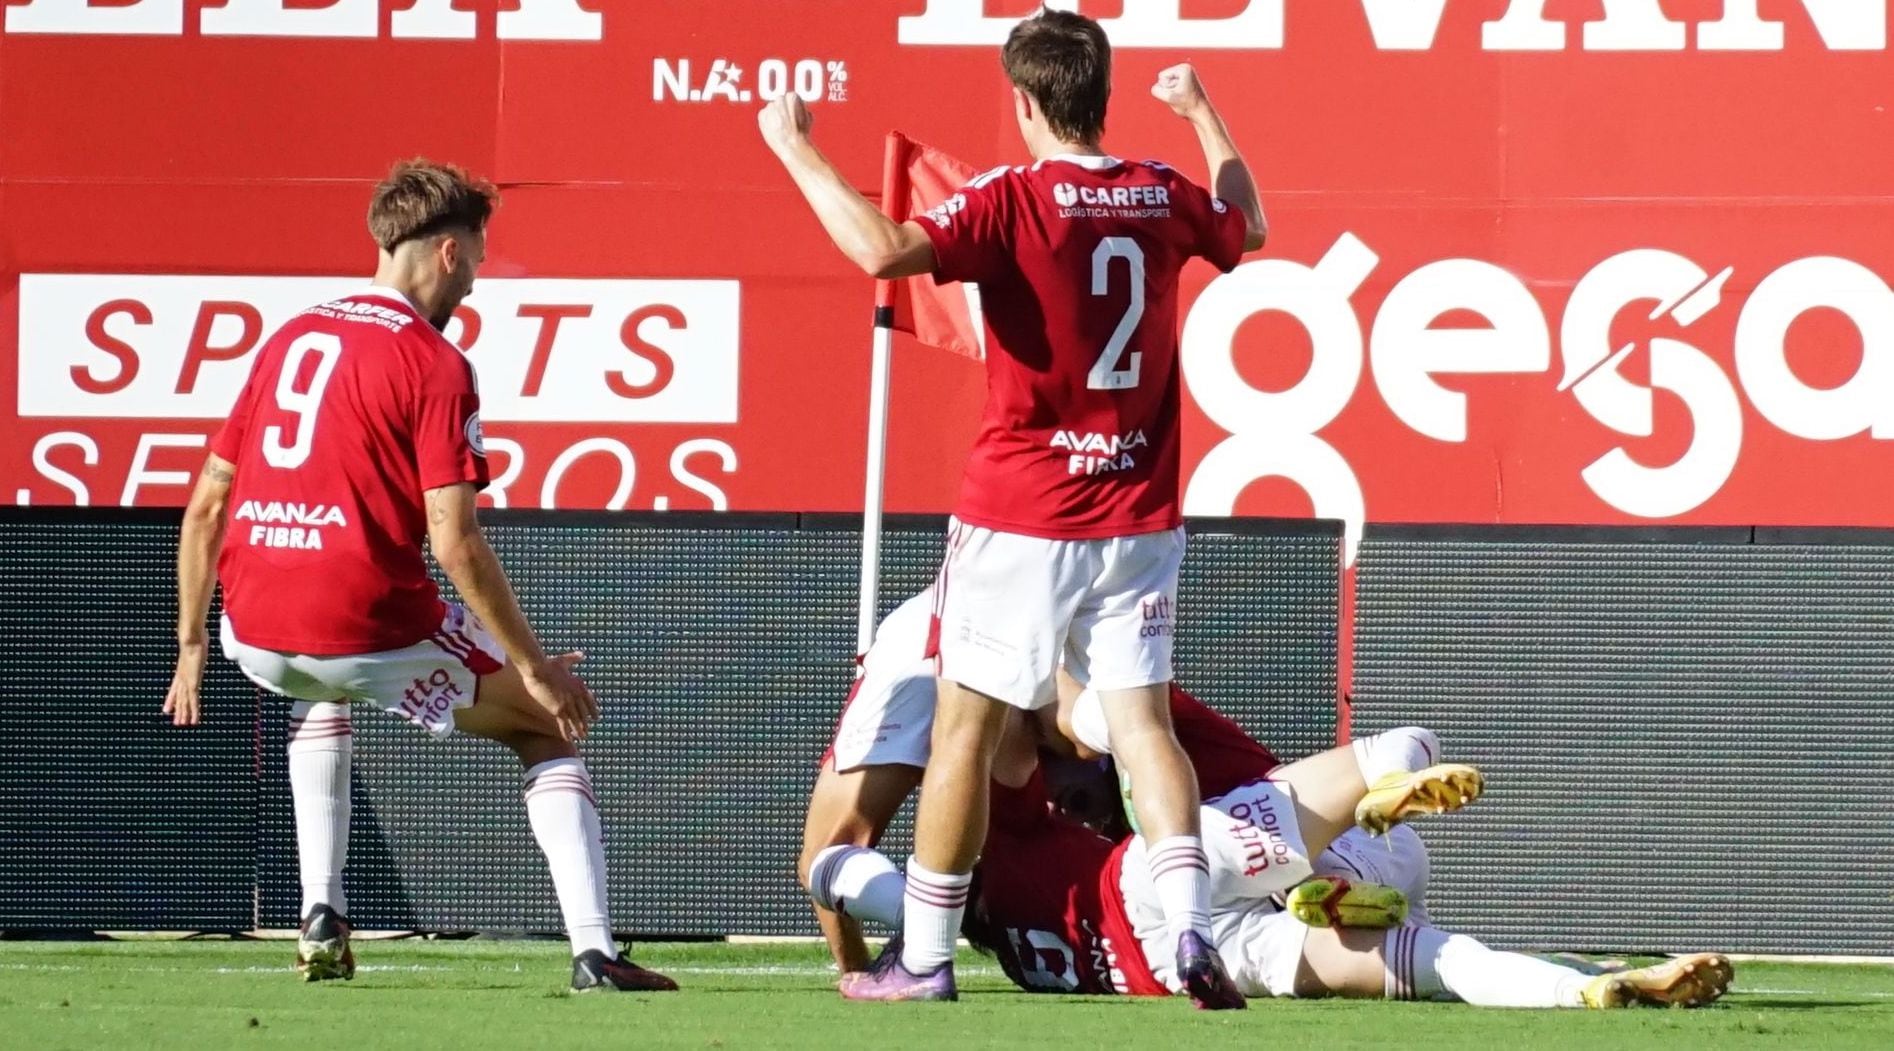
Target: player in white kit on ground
(1067, 536)
(1066, 911)
(1262, 820)
(356, 439)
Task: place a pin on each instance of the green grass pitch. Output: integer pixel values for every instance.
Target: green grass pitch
(479, 994)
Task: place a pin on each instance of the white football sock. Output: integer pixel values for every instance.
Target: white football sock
(564, 815)
(321, 745)
(1404, 748)
(931, 924)
(1180, 873)
(859, 883)
(1426, 963)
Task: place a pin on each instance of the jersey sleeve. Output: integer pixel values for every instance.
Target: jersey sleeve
(1217, 228)
(969, 230)
(448, 446)
(227, 443)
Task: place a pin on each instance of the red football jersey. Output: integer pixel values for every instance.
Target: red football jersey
(352, 411)
(1049, 890)
(1077, 260)
(1225, 757)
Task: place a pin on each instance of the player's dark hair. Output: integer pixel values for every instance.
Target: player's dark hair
(1063, 61)
(420, 199)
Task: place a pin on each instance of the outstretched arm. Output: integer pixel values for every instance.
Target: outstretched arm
(464, 555)
(882, 247)
(199, 541)
(1230, 179)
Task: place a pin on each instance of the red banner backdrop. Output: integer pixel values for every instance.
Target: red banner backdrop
(1531, 260)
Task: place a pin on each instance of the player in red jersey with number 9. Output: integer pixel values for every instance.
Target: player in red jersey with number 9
(1067, 537)
(356, 439)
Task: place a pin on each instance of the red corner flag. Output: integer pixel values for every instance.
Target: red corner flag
(914, 178)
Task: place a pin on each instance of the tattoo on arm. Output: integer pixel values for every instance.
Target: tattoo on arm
(437, 512)
(217, 473)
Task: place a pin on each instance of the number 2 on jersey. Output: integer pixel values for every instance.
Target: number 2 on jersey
(1105, 374)
(328, 349)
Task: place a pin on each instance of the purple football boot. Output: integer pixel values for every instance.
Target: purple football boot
(887, 979)
(1201, 970)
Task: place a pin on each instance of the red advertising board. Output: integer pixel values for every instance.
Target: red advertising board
(1530, 261)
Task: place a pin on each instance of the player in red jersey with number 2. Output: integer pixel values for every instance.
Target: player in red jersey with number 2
(1067, 537)
(356, 439)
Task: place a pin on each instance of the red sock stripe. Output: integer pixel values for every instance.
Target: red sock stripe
(939, 895)
(320, 735)
(562, 782)
(321, 728)
(937, 898)
(1407, 962)
(1174, 859)
(1404, 962)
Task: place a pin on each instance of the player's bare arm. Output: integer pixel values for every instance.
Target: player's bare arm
(199, 541)
(1179, 88)
(463, 553)
(882, 247)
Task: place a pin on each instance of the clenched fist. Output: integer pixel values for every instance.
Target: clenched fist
(1179, 88)
(784, 122)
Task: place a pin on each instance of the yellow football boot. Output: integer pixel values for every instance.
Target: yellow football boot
(1330, 901)
(1402, 794)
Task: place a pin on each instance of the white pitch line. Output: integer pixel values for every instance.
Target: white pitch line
(1809, 992)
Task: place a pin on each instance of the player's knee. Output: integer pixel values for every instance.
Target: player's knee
(836, 818)
(851, 830)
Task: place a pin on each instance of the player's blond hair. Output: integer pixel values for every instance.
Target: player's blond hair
(1062, 60)
(421, 198)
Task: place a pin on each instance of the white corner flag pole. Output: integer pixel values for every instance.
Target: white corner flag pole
(894, 203)
(874, 496)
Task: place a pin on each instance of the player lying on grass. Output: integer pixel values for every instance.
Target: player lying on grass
(882, 744)
(356, 438)
(1275, 952)
(1065, 910)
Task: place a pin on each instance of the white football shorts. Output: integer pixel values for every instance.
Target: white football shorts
(889, 717)
(1008, 608)
(424, 683)
(1254, 845)
(1398, 859)
(1262, 945)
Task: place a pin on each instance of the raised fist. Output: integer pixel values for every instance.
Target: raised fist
(1179, 88)
(784, 122)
